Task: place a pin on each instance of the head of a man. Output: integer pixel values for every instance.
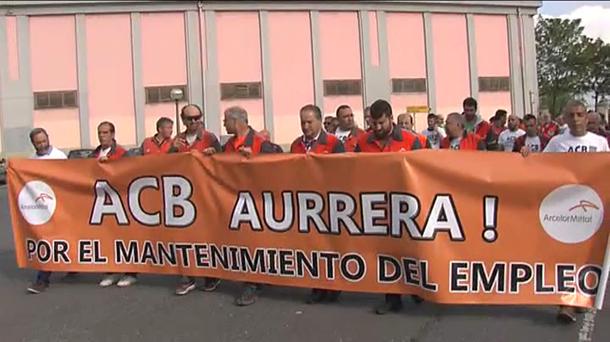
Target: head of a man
(105, 134)
(470, 107)
(454, 125)
(432, 121)
(500, 118)
(40, 140)
(405, 121)
(575, 115)
(513, 122)
(545, 117)
(330, 124)
(440, 120)
(595, 122)
(345, 115)
(311, 121)
(531, 125)
(265, 135)
(165, 127)
(235, 119)
(192, 117)
(381, 119)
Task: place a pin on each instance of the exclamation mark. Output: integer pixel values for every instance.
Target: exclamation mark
(490, 212)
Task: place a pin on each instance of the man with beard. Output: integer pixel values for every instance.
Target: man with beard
(531, 141)
(507, 138)
(387, 137)
(473, 123)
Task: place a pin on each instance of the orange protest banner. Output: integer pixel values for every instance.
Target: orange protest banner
(452, 227)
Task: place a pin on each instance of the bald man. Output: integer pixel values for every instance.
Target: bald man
(507, 138)
(405, 121)
(457, 137)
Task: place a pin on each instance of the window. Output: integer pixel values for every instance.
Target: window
(494, 84)
(55, 99)
(242, 90)
(408, 85)
(342, 87)
(161, 94)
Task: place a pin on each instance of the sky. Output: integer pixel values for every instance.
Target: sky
(594, 15)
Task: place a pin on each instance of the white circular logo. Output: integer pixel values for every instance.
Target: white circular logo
(37, 202)
(571, 213)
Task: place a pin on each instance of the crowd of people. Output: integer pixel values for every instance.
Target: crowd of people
(577, 130)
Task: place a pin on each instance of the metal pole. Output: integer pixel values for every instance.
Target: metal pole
(177, 118)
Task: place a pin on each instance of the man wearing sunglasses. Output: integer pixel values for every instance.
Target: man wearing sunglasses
(195, 138)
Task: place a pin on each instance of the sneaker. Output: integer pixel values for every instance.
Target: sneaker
(316, 296)
(393, 303)
(37, 287)
(185, 287)
(109, 280)
(566, 314)
(210, 284)
(127, 280)
(248, 296)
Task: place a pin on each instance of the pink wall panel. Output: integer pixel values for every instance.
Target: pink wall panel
(407, 58)
(374, 38)
(53, 63)
(340, 57)
(450, 43)
(163, 60)
(239, 58)
(12, 48)
(110, 75)
(163, 49)
(292, 73)
(406, 45)
(492, 45)
(491, 35)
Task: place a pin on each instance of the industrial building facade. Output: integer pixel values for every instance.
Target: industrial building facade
(68, 65)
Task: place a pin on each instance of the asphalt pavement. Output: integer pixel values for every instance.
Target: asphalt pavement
(149, 311)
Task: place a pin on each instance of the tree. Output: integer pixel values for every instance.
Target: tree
(597, 77)
(561, 63)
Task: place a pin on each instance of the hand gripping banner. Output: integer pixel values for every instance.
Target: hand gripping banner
(452, 227)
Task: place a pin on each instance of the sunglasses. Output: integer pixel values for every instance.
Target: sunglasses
(192, 118)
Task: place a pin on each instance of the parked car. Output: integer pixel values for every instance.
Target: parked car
(80, 153)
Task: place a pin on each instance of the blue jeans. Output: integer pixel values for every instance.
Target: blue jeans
(43, 276)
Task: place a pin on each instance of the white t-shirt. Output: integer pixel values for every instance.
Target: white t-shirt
(533, 144)
(566, 142)
(507, 138)
(455, 143)
(190, 138)
(53, 153)
(104, 152)
(342, 135)
(434, 137)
